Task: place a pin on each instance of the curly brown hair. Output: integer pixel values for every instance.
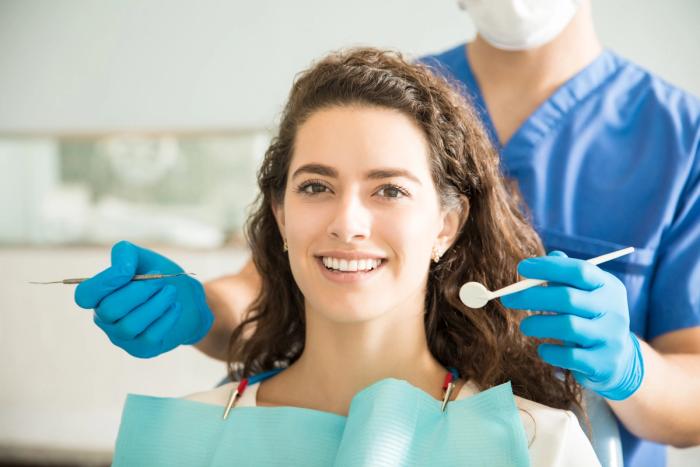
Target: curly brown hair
(486, 345)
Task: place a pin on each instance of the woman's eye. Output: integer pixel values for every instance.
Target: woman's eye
(315, 188)
(392, 191)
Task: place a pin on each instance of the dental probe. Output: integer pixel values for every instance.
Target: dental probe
(137, 277)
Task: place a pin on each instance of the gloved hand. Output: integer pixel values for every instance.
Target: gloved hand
(145, 318)
(591, 318)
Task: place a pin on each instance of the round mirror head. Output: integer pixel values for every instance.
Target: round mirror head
(474, 295)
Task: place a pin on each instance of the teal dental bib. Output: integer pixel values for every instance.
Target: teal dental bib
(389, 423)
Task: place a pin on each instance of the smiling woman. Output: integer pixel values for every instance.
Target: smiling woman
(376, 200)
(380, 196)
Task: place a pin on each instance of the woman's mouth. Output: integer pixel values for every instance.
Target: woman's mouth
(344, 271)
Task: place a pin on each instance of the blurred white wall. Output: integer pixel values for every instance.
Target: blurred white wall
(186, 64)
(83, 66)
(62, 383)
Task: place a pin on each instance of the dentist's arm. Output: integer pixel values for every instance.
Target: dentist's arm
(651, 388)
(665, 408)
(228, 298)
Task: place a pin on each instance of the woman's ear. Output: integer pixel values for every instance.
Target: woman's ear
(453, 221)
(278, 212)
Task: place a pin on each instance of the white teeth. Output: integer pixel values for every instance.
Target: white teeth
(351, 265)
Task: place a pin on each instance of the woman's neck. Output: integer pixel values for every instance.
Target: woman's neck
(341, 359)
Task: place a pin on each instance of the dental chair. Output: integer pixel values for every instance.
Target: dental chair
(605, 436)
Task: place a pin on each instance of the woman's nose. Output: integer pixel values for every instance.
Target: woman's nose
(351, 220)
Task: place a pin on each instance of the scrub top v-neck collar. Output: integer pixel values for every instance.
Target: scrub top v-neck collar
(549, 114)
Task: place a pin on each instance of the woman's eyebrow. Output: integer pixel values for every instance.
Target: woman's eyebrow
(374, 174)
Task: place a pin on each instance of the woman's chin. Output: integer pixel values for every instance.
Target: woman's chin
(349, 314)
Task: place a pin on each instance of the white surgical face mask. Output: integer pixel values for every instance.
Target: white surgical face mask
(520, 24)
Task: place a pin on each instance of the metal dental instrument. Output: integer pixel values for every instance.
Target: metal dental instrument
(448, 386)
(475, 295)
(137, 277)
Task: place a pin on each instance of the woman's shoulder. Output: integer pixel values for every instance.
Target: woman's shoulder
(531, 411)
(152, 429)
(555, 436)
(548, 417)
(216, 396)
(221, 394)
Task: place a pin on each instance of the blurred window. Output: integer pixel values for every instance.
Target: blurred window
(185, 190)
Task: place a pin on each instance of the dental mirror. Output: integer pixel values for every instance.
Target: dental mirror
(475, 295)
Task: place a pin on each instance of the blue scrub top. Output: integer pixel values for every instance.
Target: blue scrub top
(611, 160)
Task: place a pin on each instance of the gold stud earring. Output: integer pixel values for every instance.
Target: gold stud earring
(285, 247)
(436, 255)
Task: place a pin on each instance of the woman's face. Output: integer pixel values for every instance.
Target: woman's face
(360, 197)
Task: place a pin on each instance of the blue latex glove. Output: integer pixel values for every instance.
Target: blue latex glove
(145, 318)
(591, 318)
